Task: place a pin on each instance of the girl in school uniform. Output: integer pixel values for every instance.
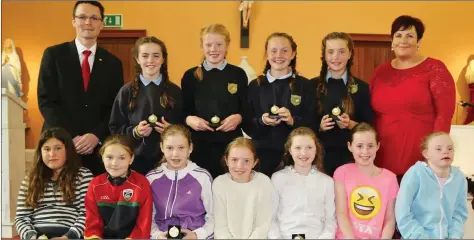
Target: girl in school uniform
(342, 99)
(365, 193)
(147, 105)
(182, 195)
(432, 202)
(51, 198)
(118, 202)
(303, 208)
(242, 197)
(214, 97)
(279, 101)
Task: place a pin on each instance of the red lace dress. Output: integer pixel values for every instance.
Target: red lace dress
(408, 105)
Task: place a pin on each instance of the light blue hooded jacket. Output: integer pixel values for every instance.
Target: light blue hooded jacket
(423, 210)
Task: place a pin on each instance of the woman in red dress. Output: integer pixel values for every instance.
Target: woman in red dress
(412, 96)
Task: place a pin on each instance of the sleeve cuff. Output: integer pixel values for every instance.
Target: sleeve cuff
(274, 236)
(155, 234)
(455, 235)
(92, 237)
(135, 136)
(200, 233)
(30, 234)
(327, 236)
(72, 234)
(260, 120)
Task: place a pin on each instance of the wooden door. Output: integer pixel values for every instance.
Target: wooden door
(370, 51)
(120, 43)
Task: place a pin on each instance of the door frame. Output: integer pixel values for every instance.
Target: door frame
(122, 36)
(368, 37)
(119, 33)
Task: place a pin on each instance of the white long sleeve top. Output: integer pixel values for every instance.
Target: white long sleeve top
(303, 205)
(242, 210)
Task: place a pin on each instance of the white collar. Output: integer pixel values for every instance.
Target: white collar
(312, 171)
(344, 76)
(209, 68)
(272, 79)
(81, 48)
(156, 81)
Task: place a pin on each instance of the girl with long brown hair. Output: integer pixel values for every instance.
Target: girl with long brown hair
(242, 196)
(365, 193)
(297, 195)
(343, 100)
(147, 105)
(51, 198)
(279, 101)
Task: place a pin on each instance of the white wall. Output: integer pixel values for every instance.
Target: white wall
(463, 138)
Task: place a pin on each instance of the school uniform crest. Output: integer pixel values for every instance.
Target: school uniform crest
(295, 100)
(127, 194)
(232, 88)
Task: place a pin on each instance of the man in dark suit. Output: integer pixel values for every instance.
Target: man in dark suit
(77, 85)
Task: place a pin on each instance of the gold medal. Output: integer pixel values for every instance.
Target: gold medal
(215, 119)
(173, 232)
(152, 118)
(336, 111)
(298, 236)
(274, 109)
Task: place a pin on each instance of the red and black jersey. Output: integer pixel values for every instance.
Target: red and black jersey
(119, 210)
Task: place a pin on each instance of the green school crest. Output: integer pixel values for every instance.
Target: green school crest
(295, 100)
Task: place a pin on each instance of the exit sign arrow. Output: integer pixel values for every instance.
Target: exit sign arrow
(113, 20)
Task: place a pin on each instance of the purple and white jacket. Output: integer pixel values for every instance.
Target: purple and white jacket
(182, 197)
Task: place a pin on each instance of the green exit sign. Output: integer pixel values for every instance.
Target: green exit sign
(113, 20)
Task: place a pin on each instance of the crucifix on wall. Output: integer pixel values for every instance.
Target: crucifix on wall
(245, 8)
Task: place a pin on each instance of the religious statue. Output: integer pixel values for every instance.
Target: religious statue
(470, 81)
(245, 7)
(470, 72)
(244, 64)
(11, 69)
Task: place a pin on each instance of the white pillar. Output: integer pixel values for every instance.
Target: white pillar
(13, 158)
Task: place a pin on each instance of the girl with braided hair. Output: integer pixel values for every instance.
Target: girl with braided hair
(147, 105)
(342, 99)
(280, 100)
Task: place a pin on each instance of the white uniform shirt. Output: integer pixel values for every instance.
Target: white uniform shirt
(304, 205)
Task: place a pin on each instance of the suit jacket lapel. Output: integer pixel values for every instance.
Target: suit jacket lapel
(96, 67)
(75, 64)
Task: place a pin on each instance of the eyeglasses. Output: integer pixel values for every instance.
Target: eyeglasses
(83, 18)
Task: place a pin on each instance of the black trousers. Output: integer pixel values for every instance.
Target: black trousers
(269, 160)
(334, 158)
(93, 162)
(209, 155)
(143, 164)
